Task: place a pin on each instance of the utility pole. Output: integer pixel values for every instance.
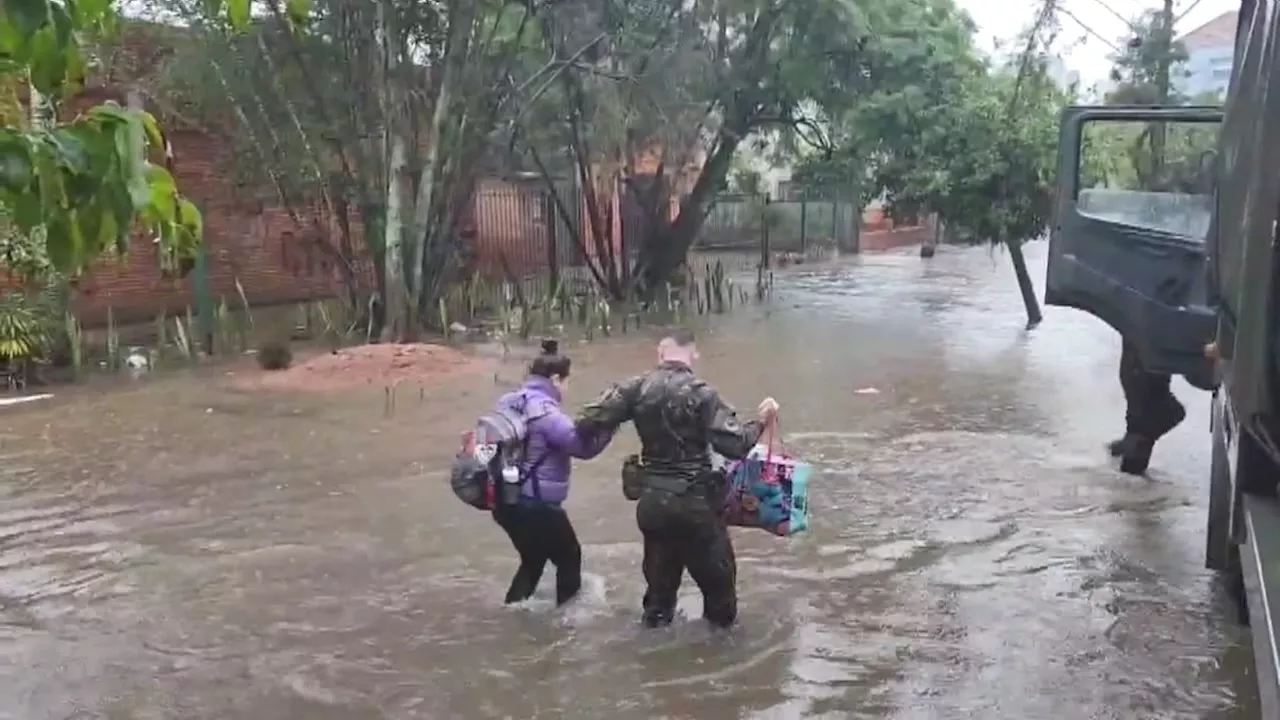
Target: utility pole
(1164, 63)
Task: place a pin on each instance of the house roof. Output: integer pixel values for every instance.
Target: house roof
(1215, 33)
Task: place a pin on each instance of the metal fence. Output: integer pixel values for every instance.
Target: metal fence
(520, 232)
(524, 232)
(742, 222)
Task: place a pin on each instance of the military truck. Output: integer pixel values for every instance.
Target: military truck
(1172, 244)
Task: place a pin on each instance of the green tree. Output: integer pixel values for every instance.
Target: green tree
(627, 114)
(974, 144)
(71, 191)
(383, 116)
(1152, 157)
(1145, 65)
(693, 82)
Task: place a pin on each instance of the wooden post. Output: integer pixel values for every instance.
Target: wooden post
(764, 233)
(551, 219)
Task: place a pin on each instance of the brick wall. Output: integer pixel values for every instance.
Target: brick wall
(274, 258)
(873, 240)
(258, 245)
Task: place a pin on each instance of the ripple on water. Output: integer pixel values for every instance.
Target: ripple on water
(973, 553)
(56, 556)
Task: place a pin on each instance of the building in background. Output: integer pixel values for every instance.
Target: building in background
(1210, 49)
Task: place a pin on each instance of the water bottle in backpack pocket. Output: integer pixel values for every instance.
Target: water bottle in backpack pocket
(491, 475)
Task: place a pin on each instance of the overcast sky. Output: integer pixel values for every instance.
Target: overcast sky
(1082, 50)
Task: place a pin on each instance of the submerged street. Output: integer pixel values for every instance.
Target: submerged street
(186, 550)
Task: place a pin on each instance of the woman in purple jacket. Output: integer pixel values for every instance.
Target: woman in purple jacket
(538, 526)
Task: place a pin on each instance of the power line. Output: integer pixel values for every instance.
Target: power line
(1128, 23)
(1134, 28)
(1184, 13)
(1088, 29)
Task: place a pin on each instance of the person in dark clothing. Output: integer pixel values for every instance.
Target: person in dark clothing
(680, 419)
(541, 533)
(1151, 411)
(538, 526)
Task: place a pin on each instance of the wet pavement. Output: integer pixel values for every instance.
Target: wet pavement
(183, 550)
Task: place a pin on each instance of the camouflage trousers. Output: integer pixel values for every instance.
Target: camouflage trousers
(1151, 409)
(686, 532)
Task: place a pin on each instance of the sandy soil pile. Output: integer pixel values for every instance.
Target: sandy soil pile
(365, 365)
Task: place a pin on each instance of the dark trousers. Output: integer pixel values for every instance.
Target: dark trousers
(1150, 407)
(684, 532)
(541, 534)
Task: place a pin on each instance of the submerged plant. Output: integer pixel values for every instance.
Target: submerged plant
(113, 341)
(182, 337)
(244, 302)
(75, 340)
(226, 328)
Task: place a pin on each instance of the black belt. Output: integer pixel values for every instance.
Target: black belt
(679, 486)
(704, 481)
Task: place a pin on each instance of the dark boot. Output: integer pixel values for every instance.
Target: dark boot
(1137, 457)
(656, 616)
(1117, 448)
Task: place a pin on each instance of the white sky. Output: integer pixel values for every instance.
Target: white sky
(1082, 50)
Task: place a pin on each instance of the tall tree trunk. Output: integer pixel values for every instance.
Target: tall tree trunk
(44, 113)
(427, 234)
(1028, 290)
(396, 302)
(670, 252)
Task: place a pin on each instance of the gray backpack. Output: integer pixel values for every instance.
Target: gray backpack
(502, 440)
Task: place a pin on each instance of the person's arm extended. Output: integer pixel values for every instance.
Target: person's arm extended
(563, 435)
(729, 436)
(605, 414)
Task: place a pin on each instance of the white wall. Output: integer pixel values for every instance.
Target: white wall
(1207, 69)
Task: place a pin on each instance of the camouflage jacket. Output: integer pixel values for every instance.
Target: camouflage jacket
(680, 419)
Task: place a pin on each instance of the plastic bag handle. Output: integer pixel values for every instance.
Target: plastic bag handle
(773, 437)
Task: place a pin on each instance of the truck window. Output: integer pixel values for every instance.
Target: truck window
(1155, 175)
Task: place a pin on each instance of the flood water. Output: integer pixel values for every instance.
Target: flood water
(184, 550)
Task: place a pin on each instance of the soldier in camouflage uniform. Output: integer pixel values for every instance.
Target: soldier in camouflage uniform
(680, 419)
(1151, 411)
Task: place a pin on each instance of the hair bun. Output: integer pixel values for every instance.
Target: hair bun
(550, 347)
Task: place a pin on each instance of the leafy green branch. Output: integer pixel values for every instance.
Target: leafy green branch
(82, 185)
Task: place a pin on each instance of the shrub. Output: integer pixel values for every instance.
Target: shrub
(24, 328)
(275, 355)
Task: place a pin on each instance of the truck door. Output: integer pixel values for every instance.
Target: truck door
(1127, 244)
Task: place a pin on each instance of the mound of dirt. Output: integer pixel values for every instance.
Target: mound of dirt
(363, 365)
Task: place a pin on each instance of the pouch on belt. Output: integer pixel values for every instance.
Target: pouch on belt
(633, 478)
(636, 479)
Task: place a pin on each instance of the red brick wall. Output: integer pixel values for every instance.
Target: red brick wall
(257, 243)
(877, 240)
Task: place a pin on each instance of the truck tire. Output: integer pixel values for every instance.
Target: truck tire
(1220, 551)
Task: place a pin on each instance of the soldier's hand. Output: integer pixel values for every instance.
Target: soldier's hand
(768, 410)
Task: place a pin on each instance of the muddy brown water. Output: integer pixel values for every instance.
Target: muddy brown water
(183, 550)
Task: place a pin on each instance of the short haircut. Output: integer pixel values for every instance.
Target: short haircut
(680, 338)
